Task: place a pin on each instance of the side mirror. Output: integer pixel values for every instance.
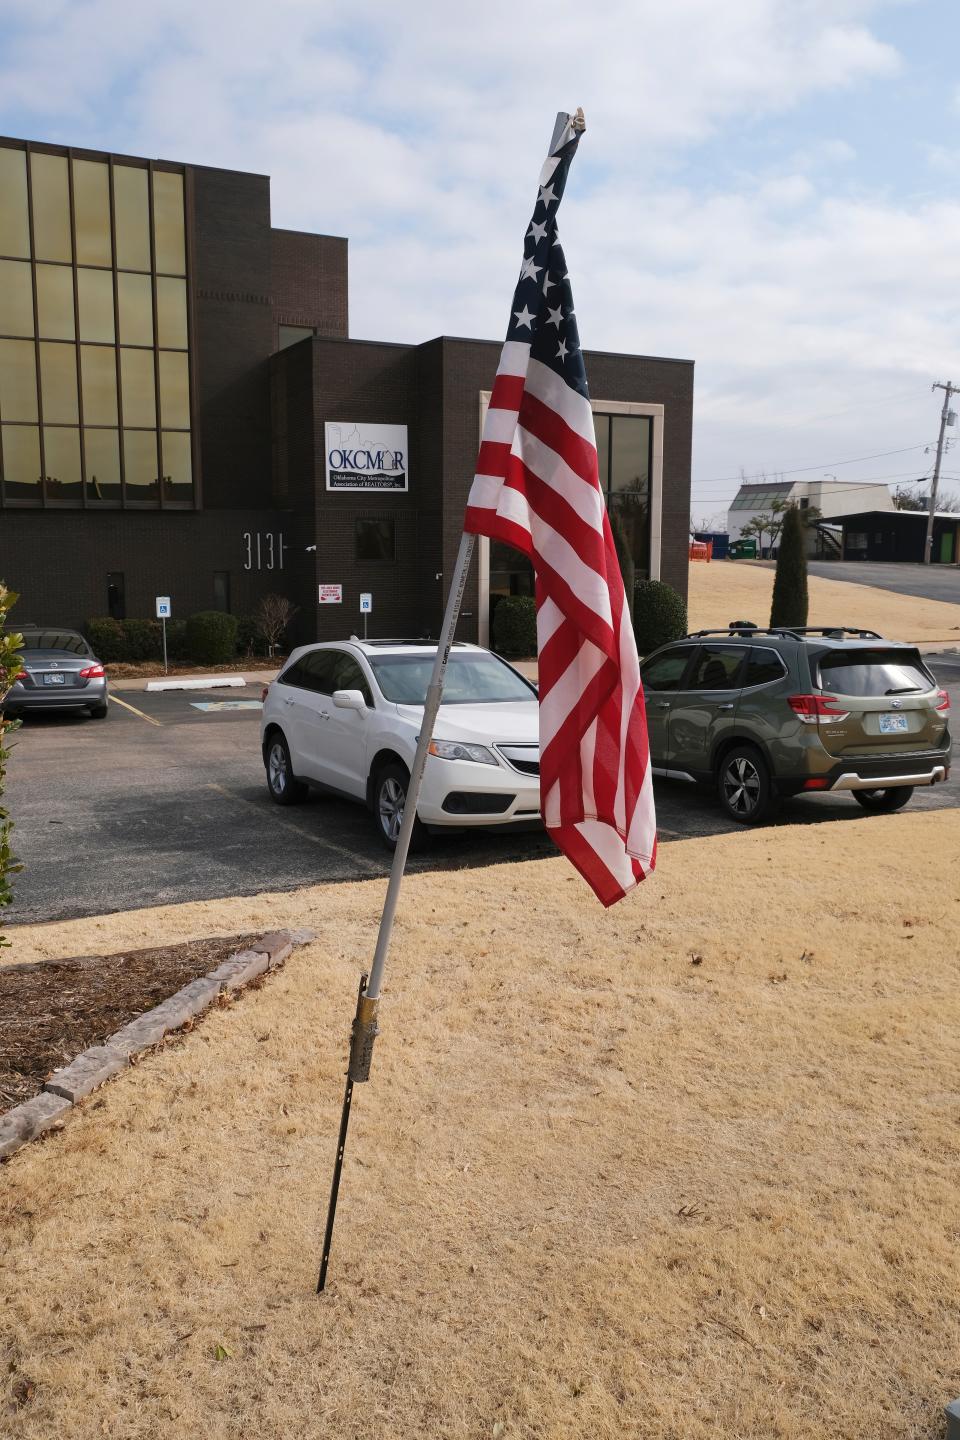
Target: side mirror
(349, 700)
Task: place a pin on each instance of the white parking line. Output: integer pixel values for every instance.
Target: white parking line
(133, 710)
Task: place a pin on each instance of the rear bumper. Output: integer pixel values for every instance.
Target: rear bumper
(853, 780)
(72, 697)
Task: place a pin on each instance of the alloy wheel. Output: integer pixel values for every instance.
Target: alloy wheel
(277, 768)
(391, 802)
(741, 785)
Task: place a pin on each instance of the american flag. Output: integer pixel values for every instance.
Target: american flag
(537, 489)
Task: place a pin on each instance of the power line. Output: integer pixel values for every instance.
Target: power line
(759, 477)
(851, 409)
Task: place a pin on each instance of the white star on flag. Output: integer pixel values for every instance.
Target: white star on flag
(530, 271)
(524, 317)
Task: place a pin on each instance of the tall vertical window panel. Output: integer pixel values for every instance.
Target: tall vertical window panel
(14, 211)
(91, 207)
(50, 184)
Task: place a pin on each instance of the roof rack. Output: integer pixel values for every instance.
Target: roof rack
(828, 631)
(422, 640)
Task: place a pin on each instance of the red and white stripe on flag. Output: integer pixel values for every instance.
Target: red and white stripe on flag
(537, 489)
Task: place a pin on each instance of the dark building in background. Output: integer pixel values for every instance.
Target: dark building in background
(900, 535)
(182, 413)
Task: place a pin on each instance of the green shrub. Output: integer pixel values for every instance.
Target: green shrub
(790, 603)
(249, 639)
(659, 615)
(176, 641)
(144, 640)
(108, 639)
(515, 626)
(211, 638)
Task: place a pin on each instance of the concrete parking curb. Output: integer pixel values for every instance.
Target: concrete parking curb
(199, 682)
(101, 1062)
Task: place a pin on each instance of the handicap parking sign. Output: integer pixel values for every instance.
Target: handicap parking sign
(163, 607)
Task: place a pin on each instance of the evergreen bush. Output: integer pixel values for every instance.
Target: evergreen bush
(211, 638)
(108, 639)
(790, 602)
(659, 615)
(144, 640)
(515, 626)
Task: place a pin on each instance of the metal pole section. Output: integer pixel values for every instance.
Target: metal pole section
(164, 624)
(434, 691)
(338, 1166)
(948, 390)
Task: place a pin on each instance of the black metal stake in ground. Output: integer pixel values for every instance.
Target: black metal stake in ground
(365, 1022)
(361, 1052)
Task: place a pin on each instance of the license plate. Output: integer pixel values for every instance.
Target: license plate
(55, 679)
(892, 724)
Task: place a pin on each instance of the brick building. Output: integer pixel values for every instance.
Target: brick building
(182, 413)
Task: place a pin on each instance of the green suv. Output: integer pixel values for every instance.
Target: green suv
(762, 714)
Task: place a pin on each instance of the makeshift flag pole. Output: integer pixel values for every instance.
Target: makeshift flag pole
(537, 489)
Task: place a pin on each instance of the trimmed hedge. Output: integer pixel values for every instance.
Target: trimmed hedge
(108, 639)
(659, 615)
(790, 601)
(515, 626)
(211, 638)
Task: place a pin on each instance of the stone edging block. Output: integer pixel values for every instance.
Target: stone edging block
(97, 1064)
(25, 1121)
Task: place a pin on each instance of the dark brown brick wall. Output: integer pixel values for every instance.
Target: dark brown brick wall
(172, 554)
(309, 282)
(233, 334)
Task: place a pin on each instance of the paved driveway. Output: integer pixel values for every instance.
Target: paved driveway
(930, 582)
(169, 805)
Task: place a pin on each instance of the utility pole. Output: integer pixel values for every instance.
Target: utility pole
(946, 416)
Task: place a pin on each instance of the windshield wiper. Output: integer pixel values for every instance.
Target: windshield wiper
(904, 690)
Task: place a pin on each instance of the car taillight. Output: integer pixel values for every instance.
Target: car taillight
(943, 700)
(264, 693)
(21, 676)
(815, 709)
(92, 672)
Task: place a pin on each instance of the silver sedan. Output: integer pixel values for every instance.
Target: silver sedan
(59, 672)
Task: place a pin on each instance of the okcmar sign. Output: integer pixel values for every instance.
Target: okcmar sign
(366, 457)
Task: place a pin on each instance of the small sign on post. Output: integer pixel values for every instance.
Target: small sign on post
(163, 615)
(366, 608)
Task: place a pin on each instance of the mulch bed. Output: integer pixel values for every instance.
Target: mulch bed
(52, 1009)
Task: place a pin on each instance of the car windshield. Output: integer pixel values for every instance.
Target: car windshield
(55, 640)
(874, 673)
(471, 679)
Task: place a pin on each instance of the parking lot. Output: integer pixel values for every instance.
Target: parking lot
(165, 801)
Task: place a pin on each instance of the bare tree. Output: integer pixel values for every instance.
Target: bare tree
(272, 616)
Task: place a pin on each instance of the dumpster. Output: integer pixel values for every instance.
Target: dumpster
(742, 550)
(719, 539)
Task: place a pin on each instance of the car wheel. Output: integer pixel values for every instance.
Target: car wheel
(98, 712)
(389, 801)
(883, 802)
(284, 787)
(745, 785)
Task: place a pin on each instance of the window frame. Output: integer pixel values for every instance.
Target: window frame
(689, 650)
(760, 684)
(708, 646)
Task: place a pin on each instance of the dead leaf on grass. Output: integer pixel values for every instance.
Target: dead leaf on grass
(696, 959)
(23, 1390)
(222, 1353)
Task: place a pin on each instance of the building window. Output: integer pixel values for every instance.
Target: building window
(221, 591)
(375, 540)
(116, 595)
(93, 331)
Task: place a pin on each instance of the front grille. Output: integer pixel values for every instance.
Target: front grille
(525, 759)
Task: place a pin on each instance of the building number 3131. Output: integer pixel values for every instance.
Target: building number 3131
(262, 551)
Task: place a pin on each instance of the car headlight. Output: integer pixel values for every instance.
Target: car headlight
(460, 750)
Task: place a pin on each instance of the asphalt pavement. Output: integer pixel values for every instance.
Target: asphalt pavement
(930, 582)
(165, 801)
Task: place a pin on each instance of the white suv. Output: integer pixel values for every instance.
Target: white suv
(345, 717)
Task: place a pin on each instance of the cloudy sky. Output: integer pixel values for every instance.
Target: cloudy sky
(768, 187)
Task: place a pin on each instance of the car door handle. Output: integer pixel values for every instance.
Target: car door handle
(324, 714)
(663, 704)
(288, 700)
(727, 706)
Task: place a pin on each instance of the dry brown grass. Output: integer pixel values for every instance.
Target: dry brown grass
(742, 590)
(594, 1189)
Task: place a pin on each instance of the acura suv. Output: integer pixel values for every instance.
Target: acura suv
(345, 718)
(762, 714)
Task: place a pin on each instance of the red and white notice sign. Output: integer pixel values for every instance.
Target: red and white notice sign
(331, 594)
